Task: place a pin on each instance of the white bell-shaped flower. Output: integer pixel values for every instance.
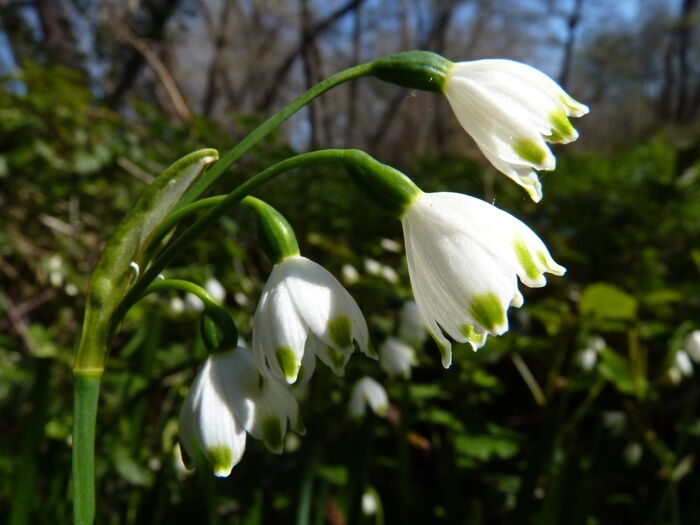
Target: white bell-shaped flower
(368, 392)
(396, 357)
(691, 345)
(304, 313)
(464, 260)
(229, 397)
(511, 110)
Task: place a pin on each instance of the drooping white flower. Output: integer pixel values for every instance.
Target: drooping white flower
(464, 260)
(680, 368)
(396, 357)
(691, 345)
(588, 356)
(304, 313)
(511, 110)
(368, 392)
(411, 325)
(229, 398)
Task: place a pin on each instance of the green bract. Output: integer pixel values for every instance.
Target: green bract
(414, 69)
(274, 231)
(387, 186)
(127, 245)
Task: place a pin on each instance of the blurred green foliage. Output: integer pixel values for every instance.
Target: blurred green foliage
(519, 432)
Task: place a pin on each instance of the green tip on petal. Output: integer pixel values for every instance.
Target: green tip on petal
(562, 130)
(287, 361)
(487, 311)
(530, 151)
(381, 410)
(337, 359)
(445, 350)
(300, 375)
(525, 259)
(186, 459)
(340, 332)
(371, 351)
(221, 460)
(574, 106)
(272, 433)
(298, 423)
(555, 268)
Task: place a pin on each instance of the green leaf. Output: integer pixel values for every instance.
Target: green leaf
(607, 302)
(617, 370)
(483, 447)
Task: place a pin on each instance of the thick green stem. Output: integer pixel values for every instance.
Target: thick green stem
(86, 394)
(268, 126)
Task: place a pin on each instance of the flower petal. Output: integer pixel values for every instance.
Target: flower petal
(326, 307)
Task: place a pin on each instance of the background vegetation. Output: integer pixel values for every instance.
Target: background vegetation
(99, 96)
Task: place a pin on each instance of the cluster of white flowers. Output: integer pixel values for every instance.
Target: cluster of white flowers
(465, 259)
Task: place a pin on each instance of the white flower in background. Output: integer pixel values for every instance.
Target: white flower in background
(373, 267)
(396, 357)
(368, 392)
(464, 260)
(511, 110)
(680, 368)
(691, 345)
(369, 503)
(390, 245)
(377, 269)
(193, 303)
(56, 270)
(229, 398)
(389, 274)
(615, 420)
(588, 356)
(349, 274)
(215, 289)
(176, 306)
(632, 453)
(411, 325)
(241, 299)
(304, 313)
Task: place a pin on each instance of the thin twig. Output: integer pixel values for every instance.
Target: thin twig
(178, 101)
(529, 379)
